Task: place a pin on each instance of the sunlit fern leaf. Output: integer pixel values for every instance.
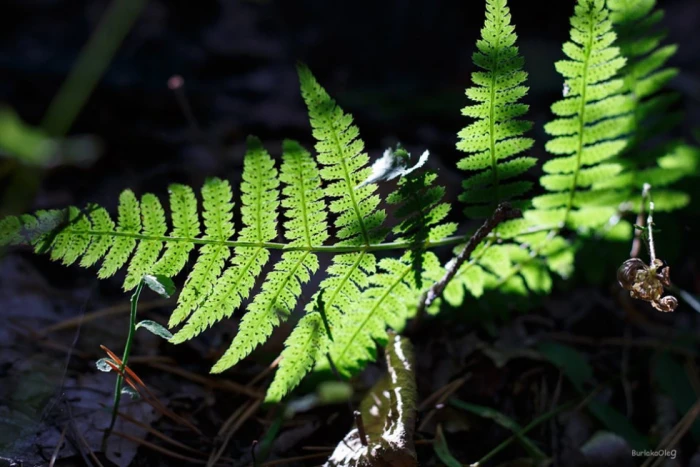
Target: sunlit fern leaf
(147, 251)
(305, 226)
(272, 305)
(640, 39)
(340, 151)
(496, 135)
(129, 222)
(218, 227)
(594, 118)
(421, 215)
(637, 23)
(99, 245)
(302, 348)
(185, 218)
(386, 303)
(357, 220)
(259, 203)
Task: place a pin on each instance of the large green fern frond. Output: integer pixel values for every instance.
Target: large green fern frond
(594, 119)
(496, 136)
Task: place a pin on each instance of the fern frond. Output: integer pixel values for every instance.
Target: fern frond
(497, 134)
(147, 251)
(421, 215)
(305, 226)
(259, 200)
(640, 39)
(594, 119)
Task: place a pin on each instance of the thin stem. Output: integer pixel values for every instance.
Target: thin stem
(332, 249)
(125, 358)
(503, 212)
(637, 242)
(650, 224)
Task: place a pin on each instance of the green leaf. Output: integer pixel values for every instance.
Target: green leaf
(442, 450)
(155, 328)
(160, 284)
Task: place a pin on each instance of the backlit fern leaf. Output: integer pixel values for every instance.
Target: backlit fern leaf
(358, 222)
(394, 292)
(594, 119)
(122, 246)
(185, 217)
(646, 80)
(389, 302)
(259, 203)
(218, 227)
(496, 135)
(305, 226)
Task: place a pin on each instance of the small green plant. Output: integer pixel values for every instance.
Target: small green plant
(164, 287)
(380, 274)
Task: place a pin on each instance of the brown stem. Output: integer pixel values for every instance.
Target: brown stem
(503, 212)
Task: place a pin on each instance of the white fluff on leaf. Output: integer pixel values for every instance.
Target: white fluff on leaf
(393, 164)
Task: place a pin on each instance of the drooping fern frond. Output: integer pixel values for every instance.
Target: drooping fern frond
(497, 134)
(389, 301)
(218, 228)
(594, 119)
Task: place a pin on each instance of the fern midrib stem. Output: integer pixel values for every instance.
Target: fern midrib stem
(492, 125)
(582, 120)
(377, 303)
(258, 206)
(349, 183)
(334, 249)
(304, 212)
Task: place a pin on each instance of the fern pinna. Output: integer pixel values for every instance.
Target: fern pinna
(361, 295)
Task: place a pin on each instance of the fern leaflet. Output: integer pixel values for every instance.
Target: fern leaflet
(496, 136)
